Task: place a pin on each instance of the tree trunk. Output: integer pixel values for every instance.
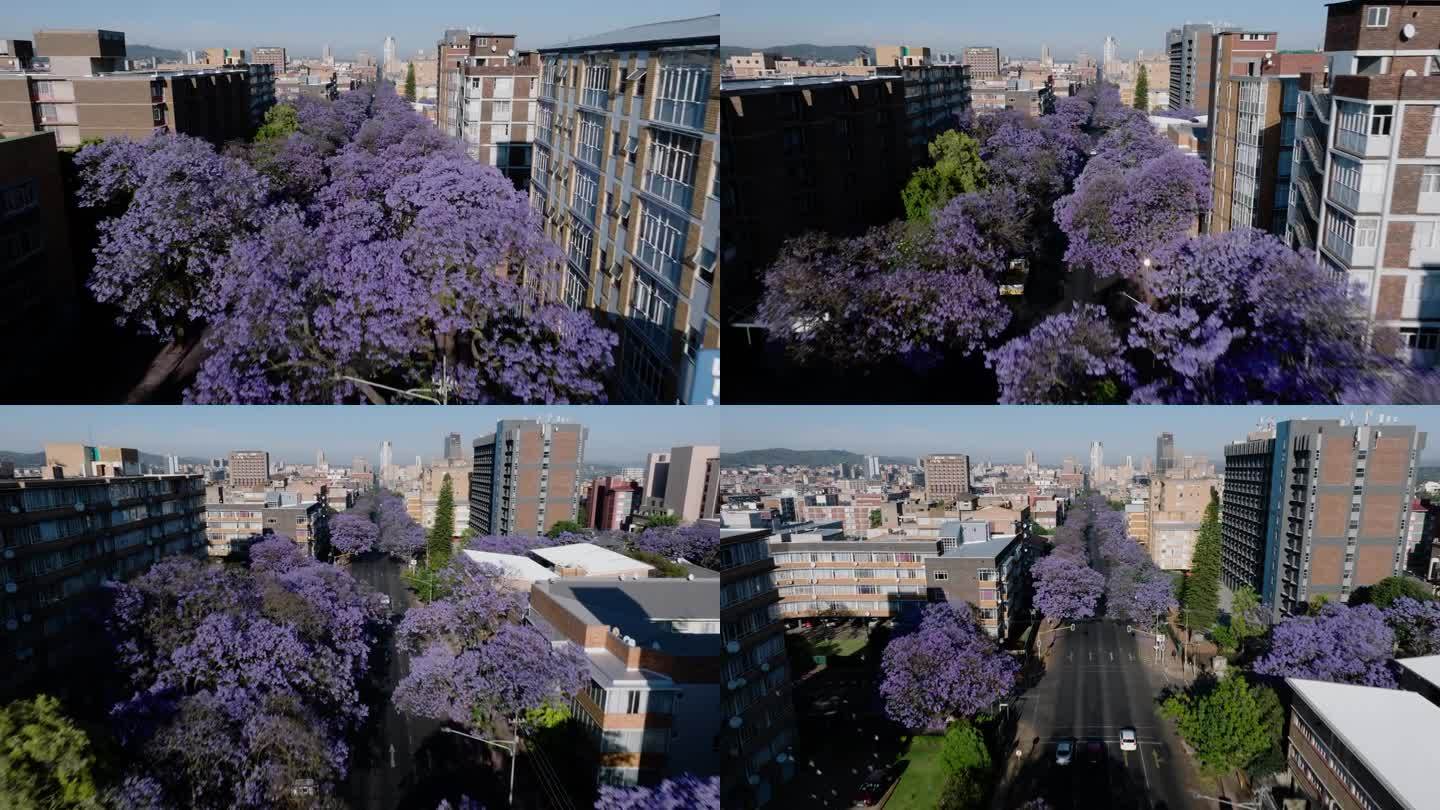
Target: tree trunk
(178, 360)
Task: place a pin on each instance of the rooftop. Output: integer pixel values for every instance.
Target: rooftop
(595, 560)
(1426, 667)
(988, 550)
(693, 30)
(1381, 728)
(514, 566)
(650, 611)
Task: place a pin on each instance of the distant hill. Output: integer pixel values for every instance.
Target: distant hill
(832, 53)
(800, 458)
(147, 51)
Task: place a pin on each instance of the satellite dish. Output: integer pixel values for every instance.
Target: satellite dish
(1411, 72)
(510, 52)
(493, 49)
(1407, 31)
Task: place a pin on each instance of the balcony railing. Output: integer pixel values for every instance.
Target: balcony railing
(1354, 200)
(1307, 192)
(1363, 145)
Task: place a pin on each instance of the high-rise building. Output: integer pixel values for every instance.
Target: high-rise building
(525, 477)
(486, 98)
(1045, 58)
(1111, 51)
(1316, 508)
(758, 717)
(63, 539)
(248, 469)
(1191, 49)
(454, 448)
(1379, 206)
(657, 474)
(1164, 454)
(984, 63)
(947, 476)
(39, 276)
(387, 52)
(1174, 512)
(625, 176)
(359, 465)
(327, 56)
(387, 458)
(320, 459)
(612, 499)
(872, 467)
(273, 56)
(1097, 462)
(693, 489)
(1250, 158)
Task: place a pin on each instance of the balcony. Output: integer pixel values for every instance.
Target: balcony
(1424, 255)
(1355, 201)
(1360, 145)
(596, 97)
(1349, 254)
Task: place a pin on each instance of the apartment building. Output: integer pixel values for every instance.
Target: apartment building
(1246, 138)
(759, 717)
(936, 97)
(1316, 508)
(947, 476)
(901, 56)
(1176, 508)
(612, 499)
(248, 469)
(653, 704)
(874, 578)
(1379, 213)
(62, 539)
(992, 576)
(984, 63)
(71, 460)
(1191, 49)
(16, 54)
(692, 488)
(432, 480)
(525, 477)
(37, 277)
(225, 57)
(1351, 747)
(487, 99)
(273, 56)
(626, 178)
(233, 522)
(1137, 523)
(802, 154)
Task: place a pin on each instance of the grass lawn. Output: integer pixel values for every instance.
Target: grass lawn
(924, 778)
(846, 643)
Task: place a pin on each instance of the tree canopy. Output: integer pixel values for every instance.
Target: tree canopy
(1229, 724)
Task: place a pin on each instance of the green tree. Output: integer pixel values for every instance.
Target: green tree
(663, 566)
(876, 518)
(1142, 91)
(1387, 590)
(46, 761)
(662, 520)
(956, 169)
(964, 749)
(280, 121)
(438, 546)
(961, 793)
(410, 82)
(1230, 724)
(564, 527)
(1200, 600)
(1244, 620)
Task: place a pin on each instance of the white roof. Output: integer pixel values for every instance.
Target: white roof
(595, 560)
(514, 566)
(1426, 666)
(1383, 728)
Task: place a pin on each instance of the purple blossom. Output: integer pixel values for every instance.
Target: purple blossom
(686, 792)
(514, 543)
(275, 554)
(1416, 625)
(1341, 645)
(1066, 587)
(352, 533)
(948, 666)
(1071, 357)
(695, 542)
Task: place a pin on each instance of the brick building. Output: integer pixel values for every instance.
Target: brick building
(626, 179)
(525, 477)
(612, 499)
(37, 277)
(487, 100)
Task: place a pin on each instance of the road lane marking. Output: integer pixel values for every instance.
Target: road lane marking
(392, 755)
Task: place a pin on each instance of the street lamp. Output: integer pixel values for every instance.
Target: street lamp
(512, 747)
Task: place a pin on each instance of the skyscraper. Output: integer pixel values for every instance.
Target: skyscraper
(327, 56)
(1045, 58)
(1030, 459)
(657, 472)
(525, 477)
(388, 54)
(1097, 462)
(454, 449)
(1112, 51)
(387, 455)
(1190, 65)
(1316, 508)
(1164, 454)
(693, 489)
(249, 469)
(947, 476)
(872, 467)
(320, 459)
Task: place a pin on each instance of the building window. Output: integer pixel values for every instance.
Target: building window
(670, 170)
(1377, 17)
(662, 241)
(581, 244)
(653, 309)
(680, 98)
(544, 124)
(592, 138)
(500, 111)
(586, 195)
(504, 87)
(1430, 180)
(574, 285)
(1380, 119)
(1367, 232)
(597, 86)
(941, 575)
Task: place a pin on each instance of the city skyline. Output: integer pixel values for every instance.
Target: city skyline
(1002, 434)
(304, 32)
(294, 433)
(948, 28)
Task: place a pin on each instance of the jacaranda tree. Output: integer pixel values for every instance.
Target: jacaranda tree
(1342, 645)
(1066, 587)
(685, 792)
(948, 666)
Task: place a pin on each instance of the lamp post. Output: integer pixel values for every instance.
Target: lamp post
(511, 747)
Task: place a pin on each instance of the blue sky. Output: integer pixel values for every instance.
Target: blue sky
(1003, 433)
(355, 25)
(1066, 25)
(618, 434)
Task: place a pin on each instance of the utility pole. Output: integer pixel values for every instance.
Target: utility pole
(512, 747)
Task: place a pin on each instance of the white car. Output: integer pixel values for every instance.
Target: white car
(1127, 739)
(1064, 752)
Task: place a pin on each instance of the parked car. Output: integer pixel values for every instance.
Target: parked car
(1094, 751)
(1064, 752)
(875, 786)
(1127, 739)
(385, 600)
